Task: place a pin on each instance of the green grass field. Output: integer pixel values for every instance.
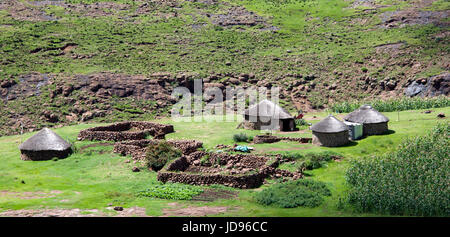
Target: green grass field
(94, 178)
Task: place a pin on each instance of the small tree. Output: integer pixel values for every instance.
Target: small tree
(159, 154)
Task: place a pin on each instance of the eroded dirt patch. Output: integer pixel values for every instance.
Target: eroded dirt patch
(239, 16)
(51, 213)
(130, 212)
(212, 195)
(393, 19)
(24, 11)
(29, 195)
(194, 211)
(127, 212)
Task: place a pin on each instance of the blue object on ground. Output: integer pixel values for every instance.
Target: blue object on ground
(242, 148)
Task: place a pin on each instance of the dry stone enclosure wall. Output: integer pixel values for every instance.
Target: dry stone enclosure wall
(126, 131)
(271, 139)
(137, 148)
(238, 171)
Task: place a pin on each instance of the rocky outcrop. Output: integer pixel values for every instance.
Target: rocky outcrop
(433, 86)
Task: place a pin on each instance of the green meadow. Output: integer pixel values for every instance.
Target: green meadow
(95, 178)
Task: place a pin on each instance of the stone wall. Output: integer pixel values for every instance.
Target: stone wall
(271, 139)
(259, 139)
(254, 169)
(374, 128)
(330, 139)
(124, 131)
(238, 181)
(137, 148)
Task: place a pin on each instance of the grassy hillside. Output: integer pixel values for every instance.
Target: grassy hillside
(95, 179)
(318, 52)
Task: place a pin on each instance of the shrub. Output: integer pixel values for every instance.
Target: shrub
(311, 161)
(397, 104)
(302, 192)
(241, 137)
(301, 122)
(173, 191)
(159, 154)
(413, 180)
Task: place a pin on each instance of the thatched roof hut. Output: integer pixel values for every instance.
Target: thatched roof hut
(373, 121)
(330, 132)
(264, 114)
(45, 145)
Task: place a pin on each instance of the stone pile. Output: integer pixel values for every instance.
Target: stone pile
(239, 171)
(137, 148)
(259, 139)
(124, 131)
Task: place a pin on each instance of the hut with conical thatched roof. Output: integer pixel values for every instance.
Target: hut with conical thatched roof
(330, 132)
(373, 121)
(268, 115)
(45, 145)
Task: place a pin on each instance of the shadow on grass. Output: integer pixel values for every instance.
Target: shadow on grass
(388, 132)
(350, 144)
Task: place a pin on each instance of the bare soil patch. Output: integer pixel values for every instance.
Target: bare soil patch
(24, 11)
(212, 195)
(194, 211)
(50, 213)
(127, 212)
(413, 17)
(29, 195)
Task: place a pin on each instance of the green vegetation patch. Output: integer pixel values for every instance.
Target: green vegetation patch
(309, 161)
(410, 181)
(173, 191)
(158, 155)
(303, 192)
(397, 104)
(240, 137)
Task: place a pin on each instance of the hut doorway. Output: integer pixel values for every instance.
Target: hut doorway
(285, 125)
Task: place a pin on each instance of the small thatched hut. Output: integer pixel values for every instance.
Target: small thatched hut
(373, 121)
(269, 115)
(45, 145)
(330, 132)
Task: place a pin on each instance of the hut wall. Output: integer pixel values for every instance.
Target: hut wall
(330, 139)
(375, 128)
(266, 123)
(44, 155)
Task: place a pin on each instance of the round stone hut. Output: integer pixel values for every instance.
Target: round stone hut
(330, 132)
(45, 145)
(373, 121)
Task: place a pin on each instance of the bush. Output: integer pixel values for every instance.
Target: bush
(397, 104)
(301, 122)
(159, 154)
(413, 180)
(311, 161)
(302, 192)
(241, 137)
(173, 191)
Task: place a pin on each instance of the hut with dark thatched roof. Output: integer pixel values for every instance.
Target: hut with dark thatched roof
(268, 115)
(373, 121)
(330, 132)
(45, 145)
